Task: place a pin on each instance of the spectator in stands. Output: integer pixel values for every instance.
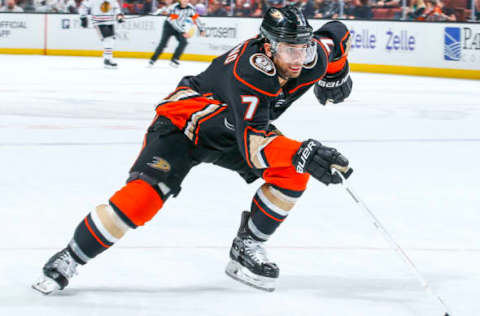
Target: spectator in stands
(216, 9)
(259, 9)
(275, 3)
(26, 5)
(363, 11)
(243, 8)
(307, 7)
(146, 8)
(199, 6)
(11, 6)
(387, 4)
(416, 9)
(477, 10)
(61, 6)
(349, 8)
(435, 11)
(327, 9)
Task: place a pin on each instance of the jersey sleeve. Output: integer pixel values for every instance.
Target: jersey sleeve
(334, 38)
(196, 19)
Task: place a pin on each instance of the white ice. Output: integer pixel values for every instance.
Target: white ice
(69, 131)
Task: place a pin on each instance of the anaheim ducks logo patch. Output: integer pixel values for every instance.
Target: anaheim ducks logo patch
(105, 6)
(276, 14)
(263, 63)
(159, 164)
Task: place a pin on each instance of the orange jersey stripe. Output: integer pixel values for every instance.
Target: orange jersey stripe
(179, 112)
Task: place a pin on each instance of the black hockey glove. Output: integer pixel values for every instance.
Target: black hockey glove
(334, 87)
(83, 22)
(120, 18)
(317, 160)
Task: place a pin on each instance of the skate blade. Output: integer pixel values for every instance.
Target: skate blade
(241, 274)
(173, 65)
(110, 67)
(46, 285)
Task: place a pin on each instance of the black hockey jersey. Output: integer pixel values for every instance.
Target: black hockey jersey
(233, 102)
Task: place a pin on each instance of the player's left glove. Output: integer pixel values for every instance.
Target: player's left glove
(334, 87)
(317, 160)
(337, 84)
(120, 18)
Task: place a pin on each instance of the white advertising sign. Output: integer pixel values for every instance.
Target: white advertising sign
(416, 44)
(394, 43)
(22, 30)
(143, 34)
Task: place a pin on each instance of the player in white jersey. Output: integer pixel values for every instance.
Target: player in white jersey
(103, 13)
(175, 25)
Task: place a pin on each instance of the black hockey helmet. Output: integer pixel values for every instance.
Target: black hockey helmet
(287, 24)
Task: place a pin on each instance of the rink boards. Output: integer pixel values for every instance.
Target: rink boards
(432, 49)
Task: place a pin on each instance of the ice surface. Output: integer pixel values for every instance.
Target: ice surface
(69, 131)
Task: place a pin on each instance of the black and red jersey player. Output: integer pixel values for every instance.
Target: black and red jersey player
(224, 116)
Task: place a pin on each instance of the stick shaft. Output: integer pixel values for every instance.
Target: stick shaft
(393, 244)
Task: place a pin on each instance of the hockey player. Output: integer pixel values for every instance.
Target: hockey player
(228, 123)
(104, 13)
(175, 25)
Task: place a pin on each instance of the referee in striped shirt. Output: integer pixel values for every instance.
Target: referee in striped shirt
(175, 26)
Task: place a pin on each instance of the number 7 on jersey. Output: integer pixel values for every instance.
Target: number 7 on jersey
(252, 102)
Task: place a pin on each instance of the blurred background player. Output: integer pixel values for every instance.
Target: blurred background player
(177, 25)
(104, 14)
(228, 123)
(11, 6)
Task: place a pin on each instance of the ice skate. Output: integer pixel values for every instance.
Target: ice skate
(109, 64)
(174, 63)
(150, 64)
(56, 273)
(249, 263)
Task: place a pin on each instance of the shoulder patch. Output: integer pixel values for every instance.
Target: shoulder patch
(264, 64)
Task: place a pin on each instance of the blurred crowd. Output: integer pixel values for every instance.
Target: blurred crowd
(419, 10)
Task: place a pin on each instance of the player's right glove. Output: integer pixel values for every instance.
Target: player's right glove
(334, 87)
(317, 160)
(83, 22)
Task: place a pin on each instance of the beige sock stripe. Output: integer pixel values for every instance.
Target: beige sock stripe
(113, 224)
(277, 201)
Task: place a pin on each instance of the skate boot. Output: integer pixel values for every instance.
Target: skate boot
(56, 273)
(150, 64)
(174, 63)
(109, 64)
(249, 263)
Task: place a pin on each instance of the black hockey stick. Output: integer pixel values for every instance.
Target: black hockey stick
(393, 244)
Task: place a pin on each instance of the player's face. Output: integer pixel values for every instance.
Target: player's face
(183, 3)
(290, 58)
